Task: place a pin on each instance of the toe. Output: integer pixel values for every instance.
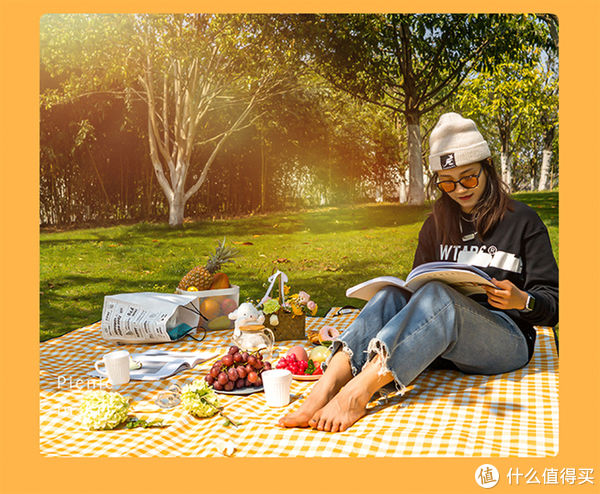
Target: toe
(314, 421)
(285, 421)
(292, 420)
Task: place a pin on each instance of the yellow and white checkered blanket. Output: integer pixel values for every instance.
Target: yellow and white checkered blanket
(443, 413)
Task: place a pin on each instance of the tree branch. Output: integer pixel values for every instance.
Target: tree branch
(356, 94)
(442, 100)
(235, 127)
(422, 75)
(165, 116)
(461, 64)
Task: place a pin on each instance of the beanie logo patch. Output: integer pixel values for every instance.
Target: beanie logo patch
(447, 161)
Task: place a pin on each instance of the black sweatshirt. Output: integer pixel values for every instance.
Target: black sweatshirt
(517, 249)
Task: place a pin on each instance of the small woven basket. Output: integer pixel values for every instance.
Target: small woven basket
(290, 327)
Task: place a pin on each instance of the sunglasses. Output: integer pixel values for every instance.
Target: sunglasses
(469, 182)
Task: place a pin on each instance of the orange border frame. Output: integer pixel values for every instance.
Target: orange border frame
(25, 470)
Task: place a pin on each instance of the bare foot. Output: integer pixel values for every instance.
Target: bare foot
(350, 404)
(318, 397)
(343, 410)
(338, 373)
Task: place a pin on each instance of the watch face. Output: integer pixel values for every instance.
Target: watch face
(530, 303)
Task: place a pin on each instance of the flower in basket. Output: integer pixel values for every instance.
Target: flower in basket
(312, 307)
(303, 298)
(271, 306)
(296, 309)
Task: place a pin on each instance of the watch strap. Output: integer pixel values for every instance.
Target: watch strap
(529, 304)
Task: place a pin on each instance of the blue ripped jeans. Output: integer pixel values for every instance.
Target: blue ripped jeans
(436, 321)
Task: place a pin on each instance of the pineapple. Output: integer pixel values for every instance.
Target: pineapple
(201, 277)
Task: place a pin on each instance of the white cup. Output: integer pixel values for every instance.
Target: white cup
(277, 387)
(116, 365)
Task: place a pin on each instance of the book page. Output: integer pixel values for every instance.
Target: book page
(466, 282)
(367, 289)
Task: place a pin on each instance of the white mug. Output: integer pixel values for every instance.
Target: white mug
(277, 387)
(117, 367)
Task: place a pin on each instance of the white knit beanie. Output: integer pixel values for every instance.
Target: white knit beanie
(455, 141)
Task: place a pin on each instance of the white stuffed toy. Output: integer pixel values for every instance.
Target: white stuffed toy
(246, 315)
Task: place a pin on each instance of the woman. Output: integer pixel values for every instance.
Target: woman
(396, 336)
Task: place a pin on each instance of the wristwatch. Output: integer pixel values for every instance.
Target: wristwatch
(530, 304)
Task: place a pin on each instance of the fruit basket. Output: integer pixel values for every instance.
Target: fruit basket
(216, 296)
(215, 305)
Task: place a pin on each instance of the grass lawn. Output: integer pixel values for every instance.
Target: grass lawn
(323, 252)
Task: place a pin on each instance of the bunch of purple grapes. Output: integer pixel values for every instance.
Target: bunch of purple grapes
(238, 369)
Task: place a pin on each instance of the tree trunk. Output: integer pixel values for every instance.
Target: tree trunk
(506, 167)
(402, 192)
(546, 158)
(176, 209)
(263, 174)
(403, 187)
(379, 193)
(416, 193)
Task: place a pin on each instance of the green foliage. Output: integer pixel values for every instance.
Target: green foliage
(311, 137)
(408, 63)
(200, 77)
(516, 105)
(332, 147)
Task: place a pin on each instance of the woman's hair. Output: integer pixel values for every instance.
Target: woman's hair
(490, 209)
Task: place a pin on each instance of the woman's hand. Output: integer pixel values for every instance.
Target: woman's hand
(506, 295)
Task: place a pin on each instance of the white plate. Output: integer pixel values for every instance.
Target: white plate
(242, 391)
(306, 377)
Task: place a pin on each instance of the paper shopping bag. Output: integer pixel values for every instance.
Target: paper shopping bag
(148, 317)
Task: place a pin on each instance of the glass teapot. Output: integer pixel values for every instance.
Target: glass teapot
(254, 338)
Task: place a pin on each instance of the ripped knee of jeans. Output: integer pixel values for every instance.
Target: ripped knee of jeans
(337, 345)
(377, 349)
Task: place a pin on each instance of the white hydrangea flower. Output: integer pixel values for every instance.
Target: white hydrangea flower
(103, 410)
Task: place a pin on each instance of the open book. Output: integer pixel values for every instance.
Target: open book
(465, 278)
(159, 364)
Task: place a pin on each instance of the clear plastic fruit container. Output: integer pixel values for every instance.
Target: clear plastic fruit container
(215, 306)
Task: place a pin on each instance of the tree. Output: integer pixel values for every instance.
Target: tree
(549, 117)
(410, 64)
(322, 146)
(513, 101)
(189, 70)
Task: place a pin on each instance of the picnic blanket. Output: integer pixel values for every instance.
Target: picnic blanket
(443, 412)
